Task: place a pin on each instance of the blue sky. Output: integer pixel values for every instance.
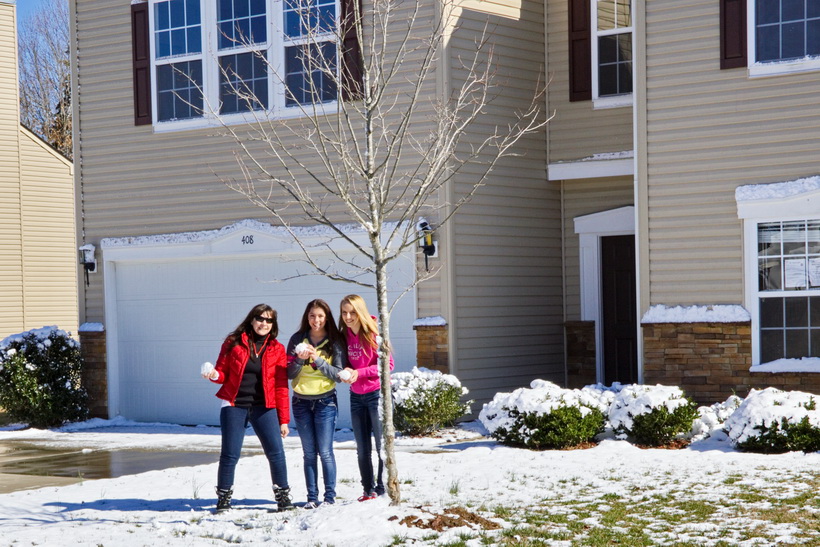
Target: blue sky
(26, 7)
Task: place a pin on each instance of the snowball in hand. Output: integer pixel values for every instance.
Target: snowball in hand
(300, 347)
(206, 369)
(344, 374)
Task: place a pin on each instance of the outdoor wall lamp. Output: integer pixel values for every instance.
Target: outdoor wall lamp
(87, 260)
(426, 242)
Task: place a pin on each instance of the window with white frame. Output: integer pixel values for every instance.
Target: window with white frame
(229, 57)
(784, 35)
(612, 49)
(788, 289)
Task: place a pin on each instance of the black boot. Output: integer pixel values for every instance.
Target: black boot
(283, 499)
(223, 501)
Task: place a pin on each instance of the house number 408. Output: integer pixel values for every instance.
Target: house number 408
(247, 240)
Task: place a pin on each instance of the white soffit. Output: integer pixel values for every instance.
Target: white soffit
(596, 167)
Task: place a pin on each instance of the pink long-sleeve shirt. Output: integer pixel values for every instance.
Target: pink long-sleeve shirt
(365, 360)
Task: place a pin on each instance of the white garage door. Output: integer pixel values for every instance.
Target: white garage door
(169, 315)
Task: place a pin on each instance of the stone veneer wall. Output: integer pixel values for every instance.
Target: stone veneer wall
(711, 361)
(95, 373)
(580, 340)
(432, 345)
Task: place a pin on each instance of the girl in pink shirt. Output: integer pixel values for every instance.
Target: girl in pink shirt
(360, 331)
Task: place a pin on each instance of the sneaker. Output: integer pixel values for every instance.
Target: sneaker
(311, 505)
(283, 499)
(223, 500)
(366, 496)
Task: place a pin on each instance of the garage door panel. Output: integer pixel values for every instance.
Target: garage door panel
(172, 315)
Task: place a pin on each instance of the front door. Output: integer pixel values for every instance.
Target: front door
(619, 320)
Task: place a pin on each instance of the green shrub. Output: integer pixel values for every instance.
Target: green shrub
(773, 421)
(544, 416)
(652, 415)
(426, 400)
(40, 378)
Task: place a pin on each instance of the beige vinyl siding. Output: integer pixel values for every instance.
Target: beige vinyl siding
(584, 197)
(138, 182)
(709, 131)
(11, 260)
(506, 241)
(577, 131)
(49, 252)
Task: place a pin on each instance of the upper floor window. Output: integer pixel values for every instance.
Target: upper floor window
(228, 57)
(612, 52)
(784, 36)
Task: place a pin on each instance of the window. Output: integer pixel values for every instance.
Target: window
(232, 57)
(785, 36)
(612, 50)
(788, 266)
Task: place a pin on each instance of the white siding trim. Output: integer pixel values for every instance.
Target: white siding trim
(591, 169)
(591, 228)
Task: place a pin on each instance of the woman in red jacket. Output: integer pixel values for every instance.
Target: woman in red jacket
(252, 368)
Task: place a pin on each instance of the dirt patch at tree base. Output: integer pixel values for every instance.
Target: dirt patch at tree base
(452, 517)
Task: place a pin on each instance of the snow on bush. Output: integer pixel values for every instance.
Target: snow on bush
(774, 421)
(426, 400)
(711, 418)
(652, 415)
(545, 415)
(40, 378)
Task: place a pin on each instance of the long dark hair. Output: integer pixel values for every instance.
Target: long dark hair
(333, 334)
(245, 326)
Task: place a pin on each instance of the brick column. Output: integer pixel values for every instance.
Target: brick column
(95, 373)
(580, 340)
(432, 345)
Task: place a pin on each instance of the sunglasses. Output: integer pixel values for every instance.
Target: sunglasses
(260, 319)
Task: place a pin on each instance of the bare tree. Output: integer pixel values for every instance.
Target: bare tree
(45, 75)
(382, 153)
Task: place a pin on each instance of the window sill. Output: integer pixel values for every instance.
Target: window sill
(806, 364)
(780, 68)
(618, 101)
(210, 121)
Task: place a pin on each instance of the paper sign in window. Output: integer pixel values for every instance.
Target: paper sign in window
(814, 272)
(795, 272)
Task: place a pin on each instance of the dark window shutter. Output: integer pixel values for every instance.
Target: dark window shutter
(580, 51)
(142, 63)
(351, 51)
(732, 33)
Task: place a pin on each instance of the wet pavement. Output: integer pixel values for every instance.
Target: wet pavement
(24, 466)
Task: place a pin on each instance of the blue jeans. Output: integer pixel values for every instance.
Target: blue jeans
(316, 422)
(364, 415)
(265, 421)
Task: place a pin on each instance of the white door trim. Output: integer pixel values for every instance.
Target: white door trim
(590, 229)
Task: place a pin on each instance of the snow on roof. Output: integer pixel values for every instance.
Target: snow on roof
(753, 192)
(805, 364)
(716, 313)
(435, 321)
(205, 235)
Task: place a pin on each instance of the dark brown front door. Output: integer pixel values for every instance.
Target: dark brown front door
(620, 319)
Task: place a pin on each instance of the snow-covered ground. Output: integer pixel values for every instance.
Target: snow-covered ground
(460, 468)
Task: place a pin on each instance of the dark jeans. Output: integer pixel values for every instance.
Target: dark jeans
(364, 415)
(316, 421)
(265, 421)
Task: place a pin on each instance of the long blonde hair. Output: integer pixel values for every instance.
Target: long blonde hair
(369, 329)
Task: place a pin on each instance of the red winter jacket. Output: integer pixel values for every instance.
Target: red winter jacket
(231, 366)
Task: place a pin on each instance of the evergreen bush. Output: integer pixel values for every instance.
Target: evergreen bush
(772, 421)
(426, 400)
(544, 416)
(652, 415)
(40, 378)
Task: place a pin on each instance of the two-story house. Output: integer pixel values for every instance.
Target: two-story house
(181, 257)
(691, 128)
(38, 255)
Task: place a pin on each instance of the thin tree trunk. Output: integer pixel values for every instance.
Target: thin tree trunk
(388, 429)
